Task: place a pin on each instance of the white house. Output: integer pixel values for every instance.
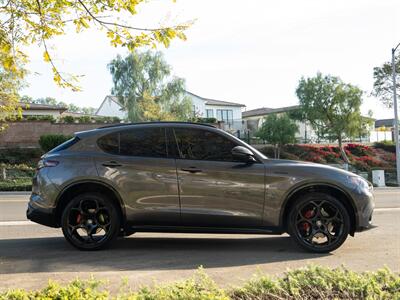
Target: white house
(228, 112)
(253, 120)
(110, 107)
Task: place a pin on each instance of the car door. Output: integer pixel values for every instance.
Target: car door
(137, 163)
(215, 189)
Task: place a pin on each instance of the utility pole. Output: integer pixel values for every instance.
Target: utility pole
(396, 116)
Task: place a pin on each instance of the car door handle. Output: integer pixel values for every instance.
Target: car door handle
(111, 164)
(191, 170)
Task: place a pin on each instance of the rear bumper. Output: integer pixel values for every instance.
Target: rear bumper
(40, 214)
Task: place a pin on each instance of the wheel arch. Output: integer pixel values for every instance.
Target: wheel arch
(328, 188)
(76, 188)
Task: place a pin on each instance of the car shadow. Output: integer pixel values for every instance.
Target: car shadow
(146, 253)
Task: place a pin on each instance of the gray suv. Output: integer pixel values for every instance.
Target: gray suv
(185, 177)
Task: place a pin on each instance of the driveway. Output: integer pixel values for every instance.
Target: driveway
(30, 254)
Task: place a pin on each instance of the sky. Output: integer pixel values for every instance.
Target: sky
(252, 52)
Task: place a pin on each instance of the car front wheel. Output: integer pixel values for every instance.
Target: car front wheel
(319, 222)
(90, 221)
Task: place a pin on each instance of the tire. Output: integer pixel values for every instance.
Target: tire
(90, 221)
(319, 222)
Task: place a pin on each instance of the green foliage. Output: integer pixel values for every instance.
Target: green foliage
(50, 141)
(27, 23)
(68, 119)
(386, 145)
(16, 184)
(311, 282)
(315, 282)
(27, 156)
(145, 88)
(332, 107)
(278, 130)
(39, 118)
(203, 120)
(383, 82)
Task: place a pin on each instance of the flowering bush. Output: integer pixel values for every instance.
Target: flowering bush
(358, 149)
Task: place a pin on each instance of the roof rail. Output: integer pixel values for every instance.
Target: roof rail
(155, 122)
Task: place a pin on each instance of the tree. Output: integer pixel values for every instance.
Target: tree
(331, 106)
(278, 130)
(9, 108)
(27, 23)
(383, 82)
(145, 88)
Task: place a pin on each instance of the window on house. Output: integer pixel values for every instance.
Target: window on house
(209, 113)
(225, 115)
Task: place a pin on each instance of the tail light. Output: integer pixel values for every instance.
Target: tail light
(44, 163)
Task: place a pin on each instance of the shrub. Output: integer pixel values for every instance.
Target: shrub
(388, 146)
(18, 184)
(68, 119)
(358, 150)
(50, 141)
(39, 118)
(312, 282)
(28, 156)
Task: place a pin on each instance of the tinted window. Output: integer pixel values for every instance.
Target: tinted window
(203, 145)
(143, 142)
(109, 143)
(65, 145)
(148, 142)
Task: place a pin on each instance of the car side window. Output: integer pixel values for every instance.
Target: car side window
(144, 142)
(203, 145)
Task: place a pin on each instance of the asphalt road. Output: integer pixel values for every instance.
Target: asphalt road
(31, 254)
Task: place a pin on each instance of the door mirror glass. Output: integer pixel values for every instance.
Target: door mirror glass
(243, 154)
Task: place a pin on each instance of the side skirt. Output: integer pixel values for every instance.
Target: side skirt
(187, 229)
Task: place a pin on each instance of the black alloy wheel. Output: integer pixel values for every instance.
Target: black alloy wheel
(90, 222)
(319, 222)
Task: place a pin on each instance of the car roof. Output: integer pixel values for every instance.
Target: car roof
(115, 127)
(155, 122)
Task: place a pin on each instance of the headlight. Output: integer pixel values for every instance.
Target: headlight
(360, 184)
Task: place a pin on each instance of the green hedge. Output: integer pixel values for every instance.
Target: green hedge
(18, 184)
(312, 282)
(16, 156)
(50, 141)
(386, 145)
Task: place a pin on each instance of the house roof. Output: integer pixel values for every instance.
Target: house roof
(266, 110)
(109, 97)
(34, 106)
(217, 102)
(384, 122)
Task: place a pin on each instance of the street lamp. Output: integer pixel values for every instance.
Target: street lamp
(396, 117)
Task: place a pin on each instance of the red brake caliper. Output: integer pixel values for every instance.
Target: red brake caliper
(78, 218)
(308, 215)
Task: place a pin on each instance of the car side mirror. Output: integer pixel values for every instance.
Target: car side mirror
(243, 154)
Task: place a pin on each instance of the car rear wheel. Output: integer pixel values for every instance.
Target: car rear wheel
(90, 221)
(319, 222)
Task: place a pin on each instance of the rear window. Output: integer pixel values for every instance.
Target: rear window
(145, 142)
(65, 145)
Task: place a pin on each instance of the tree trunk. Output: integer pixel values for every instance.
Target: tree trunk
(343, 153)
(279, 151)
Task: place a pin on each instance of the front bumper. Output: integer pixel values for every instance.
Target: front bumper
(366, 205)
(40, 214)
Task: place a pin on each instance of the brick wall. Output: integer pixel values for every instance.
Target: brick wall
(27, 134)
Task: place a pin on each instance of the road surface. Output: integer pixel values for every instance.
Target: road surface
(31, 254)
